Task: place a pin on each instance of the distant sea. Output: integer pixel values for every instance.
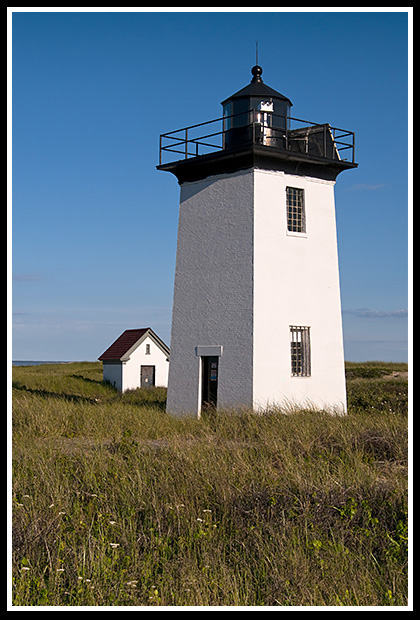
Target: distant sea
(34, 362)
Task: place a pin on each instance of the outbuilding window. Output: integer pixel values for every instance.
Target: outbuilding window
(300, 351)
(295, 204)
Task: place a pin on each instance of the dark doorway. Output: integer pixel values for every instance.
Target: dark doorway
(147, 376)
(209, 380)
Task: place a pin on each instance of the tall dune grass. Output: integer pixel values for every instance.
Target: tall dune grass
(115, 503)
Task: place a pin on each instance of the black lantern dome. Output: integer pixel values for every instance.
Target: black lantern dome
(256, 113)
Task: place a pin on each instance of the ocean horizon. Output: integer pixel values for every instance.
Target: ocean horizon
(37, 362)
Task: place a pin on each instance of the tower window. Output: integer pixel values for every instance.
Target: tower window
(295, 209)
(147, 349)
(300, 351)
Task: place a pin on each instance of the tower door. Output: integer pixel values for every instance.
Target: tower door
(147, 376)
(209, 380)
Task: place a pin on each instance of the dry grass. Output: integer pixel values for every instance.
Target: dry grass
(115, 503)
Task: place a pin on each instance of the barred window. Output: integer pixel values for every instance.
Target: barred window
(295, 209)
(300, 351)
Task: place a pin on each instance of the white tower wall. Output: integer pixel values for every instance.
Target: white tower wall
(296, 283)
(213, 293)
(242, 280)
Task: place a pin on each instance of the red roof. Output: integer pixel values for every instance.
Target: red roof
(123, 343)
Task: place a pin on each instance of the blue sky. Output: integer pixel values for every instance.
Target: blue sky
(94, 224)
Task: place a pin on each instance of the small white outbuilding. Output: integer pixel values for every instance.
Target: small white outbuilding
(137, 358)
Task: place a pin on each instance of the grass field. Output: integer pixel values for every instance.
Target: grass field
(115, 503)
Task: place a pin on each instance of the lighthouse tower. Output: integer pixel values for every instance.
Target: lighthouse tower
(256, 314)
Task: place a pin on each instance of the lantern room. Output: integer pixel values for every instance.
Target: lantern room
(256, 129)
(257, 114)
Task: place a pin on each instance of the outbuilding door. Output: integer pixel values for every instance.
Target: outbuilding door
(147, 376)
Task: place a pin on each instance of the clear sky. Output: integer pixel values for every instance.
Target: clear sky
(94, 224)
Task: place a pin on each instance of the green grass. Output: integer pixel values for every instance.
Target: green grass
(115, 503)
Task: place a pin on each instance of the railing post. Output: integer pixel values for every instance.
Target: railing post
(160, 150)
(186, 143)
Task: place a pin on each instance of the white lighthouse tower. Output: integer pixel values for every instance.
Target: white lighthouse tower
(256, 315)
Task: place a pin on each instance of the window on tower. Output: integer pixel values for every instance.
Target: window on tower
(300, 351)
(295, 203)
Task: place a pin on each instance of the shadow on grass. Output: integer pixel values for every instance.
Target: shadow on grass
(60, 396)
(100, 382)
(146, 397)
(141, 397)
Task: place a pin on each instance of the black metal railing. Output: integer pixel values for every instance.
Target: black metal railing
(255, 127)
